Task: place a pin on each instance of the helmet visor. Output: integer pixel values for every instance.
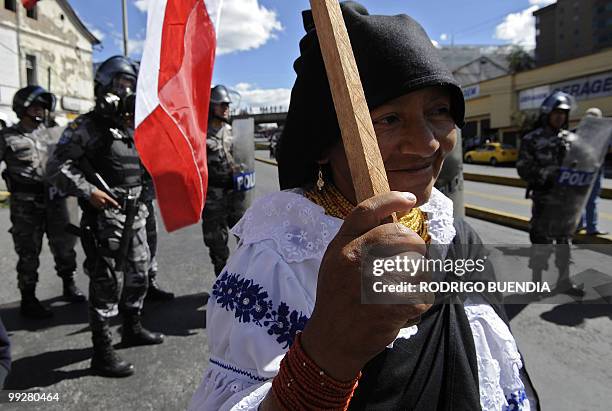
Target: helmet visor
(123, 84)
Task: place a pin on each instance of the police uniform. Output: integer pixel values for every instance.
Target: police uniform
(97, 153)
(36, 208)
(112, 154)
(224, 206)
(540, 157)
(34, 211)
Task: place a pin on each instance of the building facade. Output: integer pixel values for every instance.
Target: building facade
(496, 109)
(572, 28)
(48, 46)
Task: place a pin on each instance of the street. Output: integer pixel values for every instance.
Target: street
(566, 347)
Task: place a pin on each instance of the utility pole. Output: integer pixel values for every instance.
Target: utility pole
(18, 36)
(125, 28)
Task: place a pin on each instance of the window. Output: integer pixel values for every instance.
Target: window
(10, 5)
(31, 70)
(32, 13)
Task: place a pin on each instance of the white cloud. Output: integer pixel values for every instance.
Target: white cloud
(443, 36)
(256, 98)
(518, 28)
(435, 43)
(244, 25)
(135, 47)
(98, 33)
(541, 3)
(142, 5)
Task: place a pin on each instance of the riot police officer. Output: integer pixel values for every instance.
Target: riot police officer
(540, 157)
(97, 161)
(224, 205)
(35, 209)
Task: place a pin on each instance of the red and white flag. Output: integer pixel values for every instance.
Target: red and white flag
(172, 106)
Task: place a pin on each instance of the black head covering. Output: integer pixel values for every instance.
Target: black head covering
(394, 56)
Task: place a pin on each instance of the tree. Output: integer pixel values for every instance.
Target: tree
(520, 60)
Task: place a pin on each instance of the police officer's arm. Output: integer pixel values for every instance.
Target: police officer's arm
(527, 165)
(63, 169)
(219, 172)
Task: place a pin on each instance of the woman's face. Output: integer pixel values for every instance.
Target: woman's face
(415, 132)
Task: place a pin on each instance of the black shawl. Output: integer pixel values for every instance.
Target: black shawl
(435, 369)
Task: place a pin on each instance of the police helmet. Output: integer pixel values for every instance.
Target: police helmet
(110, 68)
(557, 101)
(219, 95)
(31, 95)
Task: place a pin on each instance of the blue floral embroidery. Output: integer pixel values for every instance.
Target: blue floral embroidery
(250, 303)
(516, 401)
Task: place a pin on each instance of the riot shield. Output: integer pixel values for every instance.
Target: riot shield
(450, 180)
(48, 138)
(243, 152)
(585, 155)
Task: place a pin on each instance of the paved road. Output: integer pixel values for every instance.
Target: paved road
(507, 171)
(566, 347)
(512, 200)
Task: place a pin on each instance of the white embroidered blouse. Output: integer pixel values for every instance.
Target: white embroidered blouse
(267, 292)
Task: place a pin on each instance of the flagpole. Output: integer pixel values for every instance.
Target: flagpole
(125, 29)
(18, 38)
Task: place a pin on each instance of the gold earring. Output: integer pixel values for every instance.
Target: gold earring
(320, 181)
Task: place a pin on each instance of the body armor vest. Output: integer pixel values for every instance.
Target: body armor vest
(116, 159)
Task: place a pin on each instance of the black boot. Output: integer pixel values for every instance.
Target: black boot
(155, 293)
(105, 360)
(569, 288)
(71, 291)
(566, 286)
(31, 307)
(135, 334)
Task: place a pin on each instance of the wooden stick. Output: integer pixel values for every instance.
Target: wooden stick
(360, 144)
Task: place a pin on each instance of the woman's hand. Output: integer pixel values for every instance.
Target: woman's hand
(343, 334)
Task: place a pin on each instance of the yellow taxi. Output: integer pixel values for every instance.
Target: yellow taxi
(492, 153)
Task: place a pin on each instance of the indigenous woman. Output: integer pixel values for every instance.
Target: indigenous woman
(287, 330)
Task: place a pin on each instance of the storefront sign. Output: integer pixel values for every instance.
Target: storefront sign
(471, 91)
(532, 98)
(583, 88)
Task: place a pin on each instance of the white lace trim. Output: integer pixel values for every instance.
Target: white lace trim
(499, 361)
(301, 230)
(440, 220)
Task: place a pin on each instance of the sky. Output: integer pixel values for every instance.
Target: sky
(258, 39)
